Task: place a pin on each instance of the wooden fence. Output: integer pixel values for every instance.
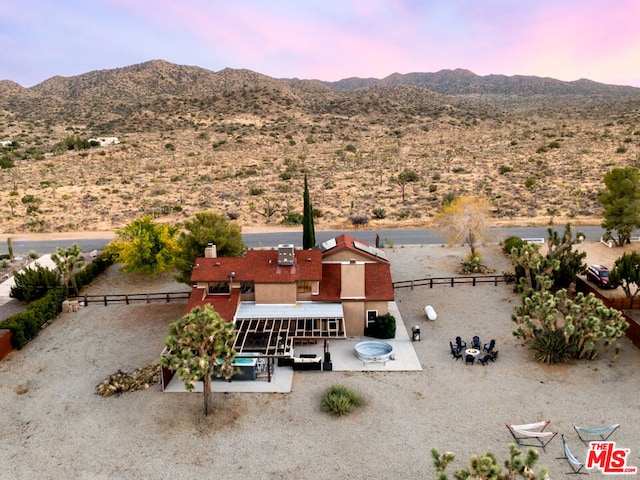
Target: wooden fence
(452, 281)
(132, 298)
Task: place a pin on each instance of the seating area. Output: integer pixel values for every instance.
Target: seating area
(477, 351)
(537, 435)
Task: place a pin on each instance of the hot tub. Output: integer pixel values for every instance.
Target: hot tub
(245, 369)
(373, 351)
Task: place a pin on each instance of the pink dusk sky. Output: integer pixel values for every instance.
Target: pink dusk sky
(325, 39)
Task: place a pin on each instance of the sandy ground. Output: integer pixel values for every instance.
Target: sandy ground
(55, 426)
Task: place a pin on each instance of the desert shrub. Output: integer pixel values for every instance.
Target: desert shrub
(233, 215)
(92, 270)
(502, 169)
(510, 242)
(292, 218)
(34, 282)
(621, 149)
(379, 213)
(384, 326)
(402, 214)
(340, 400)
(433, 187)
(33, 254)
(530, 182)
(359, 219)
(285, 175)
(5, 263)
(25, 325)
(256, 191)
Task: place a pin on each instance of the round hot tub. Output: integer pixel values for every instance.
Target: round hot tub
(373, 351)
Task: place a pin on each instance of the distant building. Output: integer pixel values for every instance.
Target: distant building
(105, 141)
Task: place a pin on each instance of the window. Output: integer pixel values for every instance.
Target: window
(247, 287)
(304, 286)
(371, 317)
(218, 287)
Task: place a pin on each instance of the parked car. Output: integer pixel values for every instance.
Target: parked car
(599, 275)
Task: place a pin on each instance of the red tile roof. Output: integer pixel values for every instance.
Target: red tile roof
(260, 266)
(225, 305)
(346, 242)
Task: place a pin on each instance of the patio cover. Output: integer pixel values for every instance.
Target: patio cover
(270, 330)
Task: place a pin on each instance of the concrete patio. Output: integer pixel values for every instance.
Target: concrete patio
(342, 357)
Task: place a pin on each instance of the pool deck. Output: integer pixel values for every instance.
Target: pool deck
(343, 359)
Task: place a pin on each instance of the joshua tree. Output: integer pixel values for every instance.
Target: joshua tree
(199, 346)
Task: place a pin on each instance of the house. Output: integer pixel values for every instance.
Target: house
(105, 141)
(280, 297)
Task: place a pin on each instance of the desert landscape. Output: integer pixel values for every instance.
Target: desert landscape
(240, 143)
(56, 426)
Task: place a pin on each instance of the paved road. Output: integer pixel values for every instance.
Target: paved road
(395, 237)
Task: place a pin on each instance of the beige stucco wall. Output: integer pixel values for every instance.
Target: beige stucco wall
(354, 317)
(276, 292)
(352, 285)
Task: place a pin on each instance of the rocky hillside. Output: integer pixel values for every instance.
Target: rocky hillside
(239, 142)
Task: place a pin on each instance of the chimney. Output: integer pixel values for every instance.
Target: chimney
(210, 251)
(285, 254)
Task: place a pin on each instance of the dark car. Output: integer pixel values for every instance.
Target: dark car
(599, 275)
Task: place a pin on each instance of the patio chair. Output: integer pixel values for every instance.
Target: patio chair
(488, 347)
(574, 463)
(469, 359)
(475, 343)
(454, 349)
(460, 344)
(484, 359)
(457, 355)
(493, 355)
(602, 433)
(531, 434)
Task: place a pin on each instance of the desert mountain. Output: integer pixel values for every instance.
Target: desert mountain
(239, 142)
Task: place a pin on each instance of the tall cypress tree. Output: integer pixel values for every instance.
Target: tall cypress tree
(308, 230)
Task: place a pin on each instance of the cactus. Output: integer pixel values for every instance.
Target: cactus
(10, 247)
(584, 322)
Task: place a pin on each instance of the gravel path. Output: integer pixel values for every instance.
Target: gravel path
(54, 426)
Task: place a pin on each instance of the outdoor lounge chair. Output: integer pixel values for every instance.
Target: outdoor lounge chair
(453, 348)
(531, 434)
(602, 433)
(469, 359)
(475, 343)
(494, 355)
(574, 463)
(488, 347)
(460, 344)
(484, 359)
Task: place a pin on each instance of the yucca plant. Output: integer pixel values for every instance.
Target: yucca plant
(552, 347)
(340, 400)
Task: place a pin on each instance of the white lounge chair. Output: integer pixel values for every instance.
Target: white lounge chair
(531, 434)
(574, 463)
(602, 433)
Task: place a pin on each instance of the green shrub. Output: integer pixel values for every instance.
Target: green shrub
(384, 326)
(292, 218)
(96, 267)
(340, 400)
(510, 242)
(25, 325)
(379, 213)
(34, 282)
